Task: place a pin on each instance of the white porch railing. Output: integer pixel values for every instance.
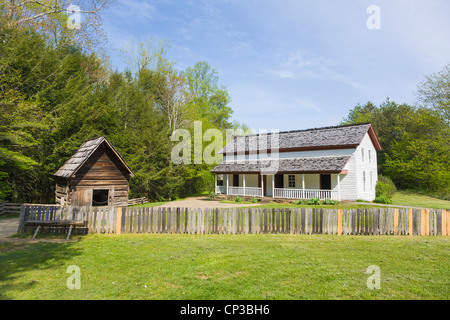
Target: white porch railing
(247, 192)
(304, 194)
(253, 192)
(236, 191)
(221, 190)
(279, 193)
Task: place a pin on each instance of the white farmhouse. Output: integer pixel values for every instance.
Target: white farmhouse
(338, 163)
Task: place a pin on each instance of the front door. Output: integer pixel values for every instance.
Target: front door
(235, 180)
(325, 181)
(279, 181)
(265, 185)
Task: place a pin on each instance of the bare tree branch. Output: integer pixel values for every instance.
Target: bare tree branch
(54, 10)
(42, 9)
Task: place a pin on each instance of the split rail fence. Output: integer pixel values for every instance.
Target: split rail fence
(8, 207)
(132, 202)
(373, 221)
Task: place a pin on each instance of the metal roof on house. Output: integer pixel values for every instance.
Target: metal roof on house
(71, 166)
(319, 138)
(330, 164)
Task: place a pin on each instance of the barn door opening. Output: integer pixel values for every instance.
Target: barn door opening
(100, 198)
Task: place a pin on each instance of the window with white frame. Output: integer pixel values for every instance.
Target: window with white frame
(370, 156)
(364, 181)
(362, 154)
(291, 180)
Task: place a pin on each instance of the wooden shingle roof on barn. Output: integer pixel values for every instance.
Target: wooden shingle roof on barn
(345, 136)
(71, 166)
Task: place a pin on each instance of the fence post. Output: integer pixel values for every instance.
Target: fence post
(422, 222)
(22, 219)
(119, 220)
(410, 221)
(339, 222)
(395, 221)
(447, 222)
(444, 222)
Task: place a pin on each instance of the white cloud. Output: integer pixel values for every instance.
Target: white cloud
(306, 104)
(131, 10)
(298, 65)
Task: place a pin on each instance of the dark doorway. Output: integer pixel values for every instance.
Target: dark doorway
(279, 181)
(325, 181)
(266, 187)
(235, 180)
(100, 198)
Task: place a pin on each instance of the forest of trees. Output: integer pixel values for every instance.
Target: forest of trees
(415, 139)
(57, 90)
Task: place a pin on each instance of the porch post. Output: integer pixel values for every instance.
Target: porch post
(303, 185)
(227, 182)
(243, 182)
(273, 186)
(262, 186)
(339, 186)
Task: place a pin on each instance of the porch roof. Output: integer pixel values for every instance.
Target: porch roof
(334, 164)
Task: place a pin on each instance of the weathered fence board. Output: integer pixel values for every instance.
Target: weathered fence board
(373, 221)
(96, 219)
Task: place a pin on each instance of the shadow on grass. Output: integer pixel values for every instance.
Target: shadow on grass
(22, 262)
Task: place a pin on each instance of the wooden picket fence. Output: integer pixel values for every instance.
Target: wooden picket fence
(373, 221)
(97, 219)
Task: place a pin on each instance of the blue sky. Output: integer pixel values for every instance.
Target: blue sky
(291, 64)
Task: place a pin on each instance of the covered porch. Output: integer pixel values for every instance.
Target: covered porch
(283, 185)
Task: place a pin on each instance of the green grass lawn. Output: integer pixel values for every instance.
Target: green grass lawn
(410, 198)
(228, 267)
(400, 198)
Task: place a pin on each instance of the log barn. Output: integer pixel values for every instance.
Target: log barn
(96, 175)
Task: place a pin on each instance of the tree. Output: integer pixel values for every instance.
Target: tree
(54, 95)
(435, 92)
(59, 20)
(415, 141)
(210, 98)
(420, 157)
